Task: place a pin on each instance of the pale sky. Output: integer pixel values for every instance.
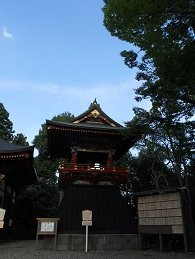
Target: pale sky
(57, 56)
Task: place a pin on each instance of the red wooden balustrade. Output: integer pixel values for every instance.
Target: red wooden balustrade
(69, 173)
(86, 168)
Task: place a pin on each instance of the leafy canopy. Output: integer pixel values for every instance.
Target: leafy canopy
(163, 34)
(45, 167)
(6, 129)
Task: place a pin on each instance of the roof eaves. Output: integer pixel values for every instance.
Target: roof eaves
(85, 126)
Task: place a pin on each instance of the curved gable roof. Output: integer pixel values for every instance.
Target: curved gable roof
(95, 115)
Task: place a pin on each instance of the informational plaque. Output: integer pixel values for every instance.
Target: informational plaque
(47, 226)
(160, 214)
(2, 214)
(1, 223)
(87, 223)
(86, 218)
(87, 215)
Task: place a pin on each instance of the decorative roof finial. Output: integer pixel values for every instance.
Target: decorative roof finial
(94, 103)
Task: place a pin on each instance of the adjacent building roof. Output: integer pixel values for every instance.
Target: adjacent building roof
(16, 163)
(9, 148)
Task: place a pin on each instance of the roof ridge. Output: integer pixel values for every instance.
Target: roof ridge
(96, 105)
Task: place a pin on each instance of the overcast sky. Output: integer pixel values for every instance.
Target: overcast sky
(56, 56)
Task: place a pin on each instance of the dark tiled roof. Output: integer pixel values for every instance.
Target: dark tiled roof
(6, 147)
(85, 126)
(17, 163)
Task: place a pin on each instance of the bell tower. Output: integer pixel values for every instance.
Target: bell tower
(90, 145)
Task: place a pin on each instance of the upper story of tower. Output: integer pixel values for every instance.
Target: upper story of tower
(90, 145)
(92, 131)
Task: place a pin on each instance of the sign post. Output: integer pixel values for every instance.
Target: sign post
(86, 241)
(86, 221)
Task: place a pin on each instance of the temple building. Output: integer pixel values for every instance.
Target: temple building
(88, 175)
(16, 171)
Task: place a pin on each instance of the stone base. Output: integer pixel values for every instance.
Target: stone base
(96, 242)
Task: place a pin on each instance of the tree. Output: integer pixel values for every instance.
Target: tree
(39, 200)
(163, 34)
(6, 126)
(46, 168)
(6, 129)
(20, 139)
(147, 171)
(171, 141)
(34, 201)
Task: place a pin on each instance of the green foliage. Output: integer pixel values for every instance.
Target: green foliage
(34, 201)
(163, 34)
(6, 129)
(39, 200)
(40, 141)
(167, 140)
(147, 171)
(46, 168)
(6, 126)
(64, 117)
(20, 139)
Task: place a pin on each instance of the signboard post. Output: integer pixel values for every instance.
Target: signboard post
(47, 226)
(86, 221)
(2, 214)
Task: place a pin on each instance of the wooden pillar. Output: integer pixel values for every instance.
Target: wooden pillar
(109, 161)
(74, 158)
(140, 245)
(185, 217)
(161, 242)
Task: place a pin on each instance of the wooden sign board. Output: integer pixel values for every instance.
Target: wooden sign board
(2, 214)
(47, 226)
(1, 223)
(160, 214)
(87, 223)
(87, 215)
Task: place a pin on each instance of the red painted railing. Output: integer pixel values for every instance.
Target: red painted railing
(70, 173)
(86, 168)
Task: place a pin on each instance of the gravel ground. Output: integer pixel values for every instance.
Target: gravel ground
(26, 250)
